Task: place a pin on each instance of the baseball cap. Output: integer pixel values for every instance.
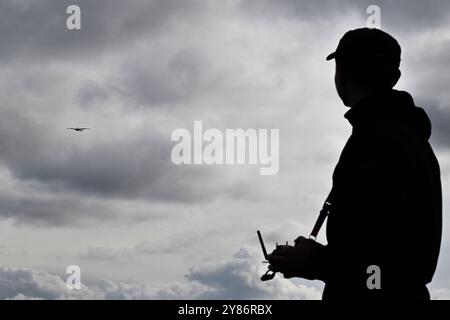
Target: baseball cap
(369, 46)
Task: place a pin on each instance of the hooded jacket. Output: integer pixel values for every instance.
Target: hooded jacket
(386, 204)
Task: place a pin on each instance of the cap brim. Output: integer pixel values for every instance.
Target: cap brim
(331, 56)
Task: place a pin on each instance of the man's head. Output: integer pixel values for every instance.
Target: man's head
(367, 60)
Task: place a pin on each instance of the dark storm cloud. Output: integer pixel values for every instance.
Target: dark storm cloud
(37, 29)
(430, 78)
(134, 167)
(412, 16)
(58, 210)
(440, 119)
(439, 115)
(400, 14)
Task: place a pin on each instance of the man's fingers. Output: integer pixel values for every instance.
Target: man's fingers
(277, 263)
(281, 269)
(300, 240)
(280, 250)
(276, 260)
(279, 255)
(273, 268)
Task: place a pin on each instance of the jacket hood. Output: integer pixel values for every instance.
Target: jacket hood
(392, 107)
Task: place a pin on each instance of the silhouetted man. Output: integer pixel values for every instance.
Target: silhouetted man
(386, 206)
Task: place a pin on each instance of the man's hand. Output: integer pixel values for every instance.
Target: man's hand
(291, 261)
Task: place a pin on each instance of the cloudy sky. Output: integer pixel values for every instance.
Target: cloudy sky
(111, 201)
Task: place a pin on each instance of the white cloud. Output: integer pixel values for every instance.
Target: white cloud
(237, 278)
(440, 294)
(26, 283)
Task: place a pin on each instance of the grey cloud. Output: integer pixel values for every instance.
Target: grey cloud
(411, 16)
(11, 252)
(399, 15)
(135, 167)
(107, 254)
(92, 93)
(30, 154)
(44, 212)
(295, 9)
(238, 278)
(429, 74)
(160, 80)
(175, 246)
(409, 22)
(37, 29)
(77, 185)
(34, 204)
(146, 247)
(440, 119)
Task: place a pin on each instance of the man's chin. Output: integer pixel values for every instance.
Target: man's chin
(346, 103)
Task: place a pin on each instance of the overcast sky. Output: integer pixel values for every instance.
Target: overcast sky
(111, 201)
